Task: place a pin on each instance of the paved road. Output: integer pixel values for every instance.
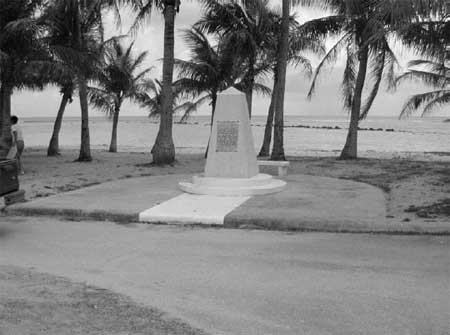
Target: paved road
(249, 282)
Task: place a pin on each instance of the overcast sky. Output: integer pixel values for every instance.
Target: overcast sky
(326, 101)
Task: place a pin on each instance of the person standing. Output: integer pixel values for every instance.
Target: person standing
(17, 141)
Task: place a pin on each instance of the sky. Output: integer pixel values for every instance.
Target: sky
(327, 99)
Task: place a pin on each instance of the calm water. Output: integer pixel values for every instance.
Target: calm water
(138, 134)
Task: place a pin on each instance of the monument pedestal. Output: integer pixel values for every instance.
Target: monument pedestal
(231, 168)
(256, 185)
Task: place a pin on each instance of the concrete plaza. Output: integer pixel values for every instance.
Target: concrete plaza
(308, 203)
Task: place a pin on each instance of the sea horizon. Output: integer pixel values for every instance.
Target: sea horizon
(303, 135)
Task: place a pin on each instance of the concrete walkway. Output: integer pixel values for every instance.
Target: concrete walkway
(244, 282)
(308, 203)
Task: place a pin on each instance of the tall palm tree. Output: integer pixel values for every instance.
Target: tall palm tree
(299, 42)
(117, 82)
(280, 83)
(76, 40)
(163, 150)
(21, 49)
(247, 26)
(364, 29)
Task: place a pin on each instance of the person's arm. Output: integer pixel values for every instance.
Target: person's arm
(14, 137)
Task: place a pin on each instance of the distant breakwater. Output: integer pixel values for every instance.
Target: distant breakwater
(302, 126)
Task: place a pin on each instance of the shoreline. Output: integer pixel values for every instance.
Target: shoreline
(434, 156)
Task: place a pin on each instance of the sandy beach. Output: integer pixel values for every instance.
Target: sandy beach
(416, 187)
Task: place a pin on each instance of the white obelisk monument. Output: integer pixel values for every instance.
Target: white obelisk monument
(231, 151)
(231, 167)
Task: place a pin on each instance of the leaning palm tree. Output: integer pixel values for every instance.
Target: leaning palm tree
(21, 50)
(119, 81)
(66, 90)
(163, 150)
(58, 72)
(364, 29)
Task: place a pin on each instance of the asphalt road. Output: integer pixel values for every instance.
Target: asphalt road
(249, 282)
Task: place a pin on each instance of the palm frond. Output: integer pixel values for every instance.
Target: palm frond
(349, 78)
(377, 75)
(420, 100)
(392, 65)
(443, 99)
(304, 63)
(102, 100)
(143, 17)
(190, 107)
(428, 78)
(323, 27)
(260, 88)
(329, 58)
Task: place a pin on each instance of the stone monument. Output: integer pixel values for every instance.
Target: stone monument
(231, 167)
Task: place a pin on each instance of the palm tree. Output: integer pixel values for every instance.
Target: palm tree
(280, 81)
(247, 26)
(299, 41)
(76, 40)
(21, 50)
(163, 150)
(365, 28)
(117, 82)
(280, 84)
(67, 90)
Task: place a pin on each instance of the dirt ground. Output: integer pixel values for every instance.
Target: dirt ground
(33, 303)
(415, 187)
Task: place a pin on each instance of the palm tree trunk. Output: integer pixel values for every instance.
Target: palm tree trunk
(249, 96)
(53, 147)
(85, 147)
(249, 89)
(265, 148)
(164, 150)
(5, 119)
(350, 149)
(213, 110)
(113, 144)
(278, 140)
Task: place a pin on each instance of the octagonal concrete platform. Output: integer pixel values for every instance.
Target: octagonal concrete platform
(307, 203)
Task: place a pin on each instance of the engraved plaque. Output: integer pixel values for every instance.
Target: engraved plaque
(227, 136)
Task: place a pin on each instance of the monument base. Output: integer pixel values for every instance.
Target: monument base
(257, 185)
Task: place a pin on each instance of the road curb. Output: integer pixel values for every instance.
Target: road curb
(245, 223)
(73, 214)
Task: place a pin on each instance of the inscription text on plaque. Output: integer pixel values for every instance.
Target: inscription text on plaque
(227, 136)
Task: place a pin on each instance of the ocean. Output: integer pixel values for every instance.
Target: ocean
(304, 135)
